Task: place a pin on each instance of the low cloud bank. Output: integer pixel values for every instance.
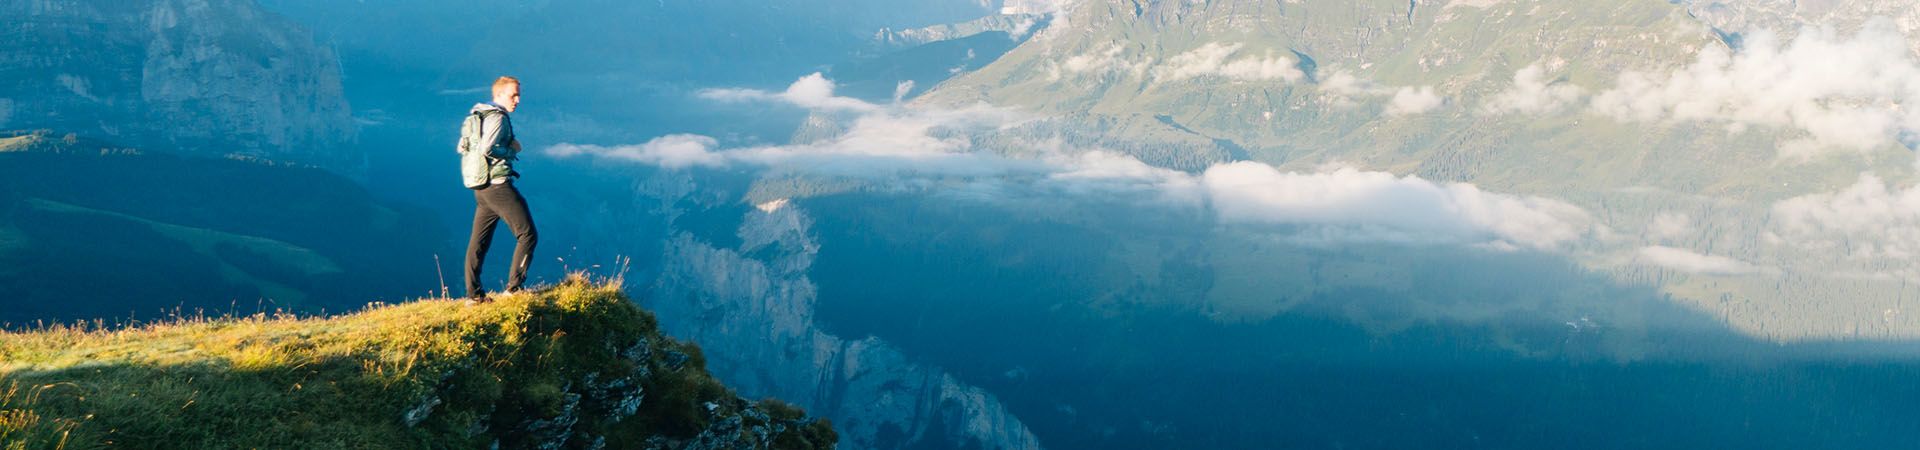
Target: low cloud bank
(1210, 60)
(896, 142)
(677, 151)
(1343, 88)
(1690, 262)
(1871, 219)
(1224, 61)
(1407, 209)
(1109, 60)
(812, 92)
(1050, 7)
(1412, 100)
(1533, 93)
(1853, 93)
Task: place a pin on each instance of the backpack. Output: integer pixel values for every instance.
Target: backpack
(470, 129)
(476, 164)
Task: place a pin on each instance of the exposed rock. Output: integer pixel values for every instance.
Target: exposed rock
(756, 317)
(1016, 25)
(420, 411)
(210, 77)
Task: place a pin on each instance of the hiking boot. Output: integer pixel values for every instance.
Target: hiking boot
(480, 300)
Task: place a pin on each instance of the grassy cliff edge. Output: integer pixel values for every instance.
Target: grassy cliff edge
(577, 365)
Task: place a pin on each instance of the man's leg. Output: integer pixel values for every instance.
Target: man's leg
(513, 208)
(484, 220)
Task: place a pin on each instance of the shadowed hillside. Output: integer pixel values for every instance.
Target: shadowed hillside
(92, 230)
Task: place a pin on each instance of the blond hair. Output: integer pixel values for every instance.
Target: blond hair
(500, 84)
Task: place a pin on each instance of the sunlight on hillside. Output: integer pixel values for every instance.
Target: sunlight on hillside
(433, 370)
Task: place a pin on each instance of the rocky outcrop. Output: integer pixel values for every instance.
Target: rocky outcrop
(758, 312)
(209, 77)
(1788, 19)
(571, 366)
(1016, 25)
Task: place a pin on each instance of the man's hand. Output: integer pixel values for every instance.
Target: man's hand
(515, 145)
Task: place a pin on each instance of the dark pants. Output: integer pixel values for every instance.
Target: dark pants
(493, 203)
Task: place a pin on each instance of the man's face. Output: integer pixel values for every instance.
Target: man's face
(508, 97)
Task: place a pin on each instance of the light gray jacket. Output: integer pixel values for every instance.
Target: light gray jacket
(484, 154)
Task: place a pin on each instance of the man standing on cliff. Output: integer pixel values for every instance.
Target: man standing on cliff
(488, 149)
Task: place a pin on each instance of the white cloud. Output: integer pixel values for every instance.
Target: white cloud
(1051, 7)
(466, 91)
(673, 152)
(1212, 60)
(1342, 89)
(1670, 226)
(882, 140)
(366, 117)
(1870, 219)
(1346, 84)
(812, 92)
(1532, 94)
(894, 143)
(1248, 192)
(1058, 12)
(903, 142)
(1112, 59)
(1838, 93)
(1411, 100)
(1103, 172)
(1690, 262)
(1333, 205)
(1019, 31)
(1470, 4)
(1216, 60)
(900, 90)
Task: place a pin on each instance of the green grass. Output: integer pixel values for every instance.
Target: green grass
(293, 237)
(426, 374)
(216, 244)
(206, 241)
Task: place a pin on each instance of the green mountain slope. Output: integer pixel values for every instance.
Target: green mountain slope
(1432, 89)
(573, 366)
(89, 230)
(1111, 70)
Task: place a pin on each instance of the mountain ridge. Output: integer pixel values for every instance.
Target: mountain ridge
(576, 365)
(148, 229)
(1662, 120)
(135, 72)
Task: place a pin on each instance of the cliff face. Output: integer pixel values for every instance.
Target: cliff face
(758, 312)
(577, 366)
(210, 77)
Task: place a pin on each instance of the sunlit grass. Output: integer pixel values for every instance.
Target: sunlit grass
(482, 372)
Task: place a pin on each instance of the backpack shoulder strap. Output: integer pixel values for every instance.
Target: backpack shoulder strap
(466, 136)
(479, 124)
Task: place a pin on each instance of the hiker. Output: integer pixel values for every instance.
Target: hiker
(488, 149)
